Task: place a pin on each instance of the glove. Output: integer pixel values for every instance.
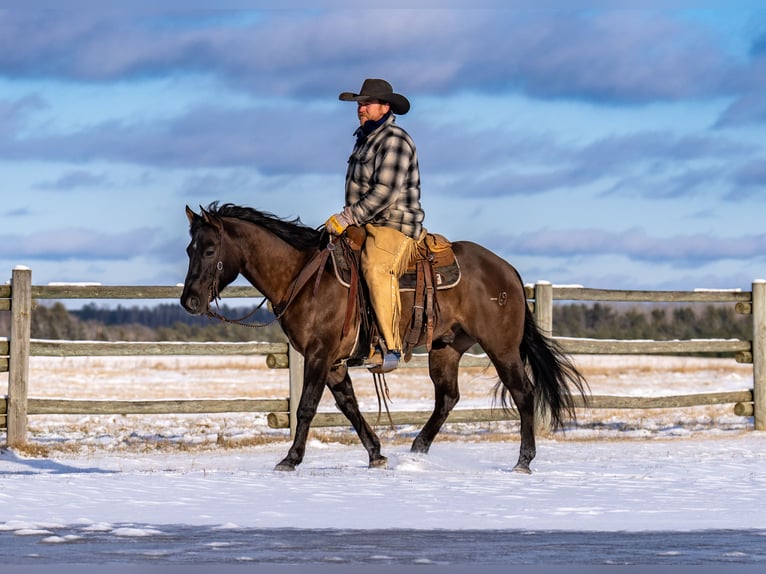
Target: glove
(337, 223)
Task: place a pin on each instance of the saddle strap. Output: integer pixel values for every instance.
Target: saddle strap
(429, 307)
(353, 292)
(418, 307)
(422, 307)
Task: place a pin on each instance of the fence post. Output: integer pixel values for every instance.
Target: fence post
(544, 318)
(544, 306)
(18, 362)
(759, 354)
(295, 361)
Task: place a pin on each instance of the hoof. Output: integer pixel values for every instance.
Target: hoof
(521, 469)
(285, 467)
(381, 462)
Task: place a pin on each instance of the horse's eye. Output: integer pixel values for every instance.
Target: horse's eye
(209, 252)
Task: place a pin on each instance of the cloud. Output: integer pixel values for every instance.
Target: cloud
(682, 250)
(19, 212)
(291, 52)
(612, 56)
(77, 179)
(14, 113)
(291, 140)
(456, 145)
(659, 145)
(269, 139)
(750, 180)
(651, 164)
(749, 104)
(660, 164)
(691, 182)
(74, 244)
(625, 56)
(745, 110)
(215, 185)
(483, 184)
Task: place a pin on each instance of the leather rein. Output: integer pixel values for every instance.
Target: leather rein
(315, 264)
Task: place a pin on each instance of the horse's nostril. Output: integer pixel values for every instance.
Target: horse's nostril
(191, 304)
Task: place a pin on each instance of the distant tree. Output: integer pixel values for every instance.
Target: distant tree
(169, 322)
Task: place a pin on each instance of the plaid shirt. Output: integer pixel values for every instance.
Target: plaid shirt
(383, 180)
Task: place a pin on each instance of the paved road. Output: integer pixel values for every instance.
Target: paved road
(187, 545)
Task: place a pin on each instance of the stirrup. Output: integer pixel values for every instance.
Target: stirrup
(379, 363)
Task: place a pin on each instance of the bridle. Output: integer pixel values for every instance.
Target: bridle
(214, 294)
(316, 263)
(241, 321)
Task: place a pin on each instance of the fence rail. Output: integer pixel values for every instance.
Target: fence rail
(20, 295)
(57, 348)
(745, 397)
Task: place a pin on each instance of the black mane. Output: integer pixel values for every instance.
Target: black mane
(293, 231)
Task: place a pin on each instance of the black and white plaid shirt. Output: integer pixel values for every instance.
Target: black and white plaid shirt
(383, 180)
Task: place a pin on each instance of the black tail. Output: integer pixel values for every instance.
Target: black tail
(554, 375)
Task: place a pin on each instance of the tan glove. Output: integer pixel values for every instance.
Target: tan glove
(337, 223)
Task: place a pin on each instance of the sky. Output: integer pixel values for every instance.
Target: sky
(586, 143)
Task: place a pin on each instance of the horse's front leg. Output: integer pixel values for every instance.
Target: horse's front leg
(345, 398)
(314, 378)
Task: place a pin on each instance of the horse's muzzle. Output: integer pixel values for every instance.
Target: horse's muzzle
(193, 305)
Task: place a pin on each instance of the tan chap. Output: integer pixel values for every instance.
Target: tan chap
(385, 257)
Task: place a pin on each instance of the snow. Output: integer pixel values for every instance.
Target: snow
(700, 469)
(678, 484)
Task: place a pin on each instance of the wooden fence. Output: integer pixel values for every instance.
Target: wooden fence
(20, 295)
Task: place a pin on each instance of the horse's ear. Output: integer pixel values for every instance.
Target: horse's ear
(190, 215)
(209, 219)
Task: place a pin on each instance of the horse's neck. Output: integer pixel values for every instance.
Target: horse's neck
(269, 263)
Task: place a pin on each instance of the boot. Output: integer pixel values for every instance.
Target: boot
(383, 361)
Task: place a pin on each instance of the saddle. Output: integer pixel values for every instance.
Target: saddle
(434, 268)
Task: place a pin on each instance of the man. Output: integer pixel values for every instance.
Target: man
(383, 195)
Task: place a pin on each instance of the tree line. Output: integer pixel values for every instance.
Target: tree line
(661, 323)
(169, 322)
(164, 322)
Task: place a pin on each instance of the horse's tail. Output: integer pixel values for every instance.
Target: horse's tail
(554, 375)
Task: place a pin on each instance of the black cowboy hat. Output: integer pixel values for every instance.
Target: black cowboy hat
(374, 89)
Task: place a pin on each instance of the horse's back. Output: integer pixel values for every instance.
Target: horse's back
(481, 266)
(489, 297)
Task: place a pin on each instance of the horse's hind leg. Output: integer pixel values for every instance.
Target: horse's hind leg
(514, 377)
(345, 398)
(443, 367)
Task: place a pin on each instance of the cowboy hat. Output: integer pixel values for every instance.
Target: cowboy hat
(374, 89)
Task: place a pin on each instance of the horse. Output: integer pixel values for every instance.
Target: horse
(488, 306)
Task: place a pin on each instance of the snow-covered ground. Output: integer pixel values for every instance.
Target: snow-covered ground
(694, 472)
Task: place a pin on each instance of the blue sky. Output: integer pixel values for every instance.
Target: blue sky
(594, 144)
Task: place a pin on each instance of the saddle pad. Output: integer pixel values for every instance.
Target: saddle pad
(445, 276)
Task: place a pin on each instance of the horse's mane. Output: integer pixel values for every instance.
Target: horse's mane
(293, 231)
